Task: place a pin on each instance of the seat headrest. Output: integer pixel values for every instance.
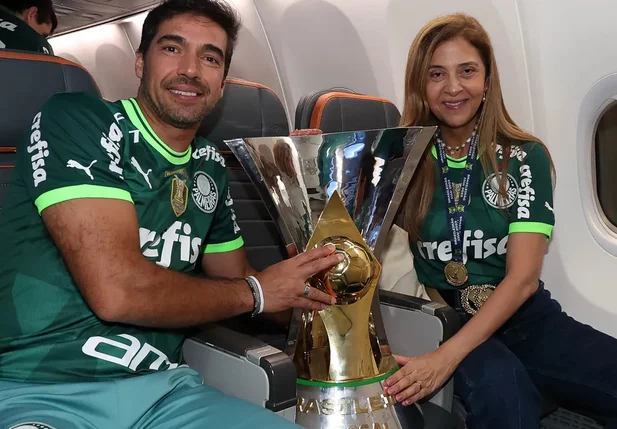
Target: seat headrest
(335, 110)
(27, 81)
(247, 109)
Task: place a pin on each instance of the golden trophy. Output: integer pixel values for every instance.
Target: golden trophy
(341, 188)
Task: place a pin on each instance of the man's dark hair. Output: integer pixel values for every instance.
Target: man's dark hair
(45, 10)
(216, 10)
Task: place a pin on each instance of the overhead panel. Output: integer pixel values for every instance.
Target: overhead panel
(75, 14)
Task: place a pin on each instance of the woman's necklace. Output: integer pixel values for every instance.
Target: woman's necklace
(456, 148)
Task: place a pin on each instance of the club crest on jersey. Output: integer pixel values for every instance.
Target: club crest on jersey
(179, 195)
(205, 193)
(490, 191)
(32, 425)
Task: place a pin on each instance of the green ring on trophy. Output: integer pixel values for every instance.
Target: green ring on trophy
(456, 273)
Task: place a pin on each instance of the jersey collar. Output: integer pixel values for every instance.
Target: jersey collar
(137, 118)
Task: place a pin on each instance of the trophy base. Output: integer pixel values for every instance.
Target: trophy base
(352, 405)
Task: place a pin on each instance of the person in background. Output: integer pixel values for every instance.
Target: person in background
(479, 215)
(26, 24)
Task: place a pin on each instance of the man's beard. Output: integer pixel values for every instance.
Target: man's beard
(170, 114)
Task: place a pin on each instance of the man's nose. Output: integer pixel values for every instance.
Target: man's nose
(189, 66)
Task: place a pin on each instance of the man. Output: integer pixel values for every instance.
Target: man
(111, 208)
(26, 24)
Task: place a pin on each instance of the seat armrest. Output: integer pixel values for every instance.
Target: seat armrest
(243, 366)
(449, 318)
(415, 327)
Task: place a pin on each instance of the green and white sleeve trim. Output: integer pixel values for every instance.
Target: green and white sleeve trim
(59, 195)
(539, 227)
(224, 247)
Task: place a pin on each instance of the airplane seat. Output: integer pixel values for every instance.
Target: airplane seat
(307, 103)
(427, 324)
(248, 109)
(341, 109)
(27, 80)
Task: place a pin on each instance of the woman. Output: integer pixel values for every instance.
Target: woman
(515, 339)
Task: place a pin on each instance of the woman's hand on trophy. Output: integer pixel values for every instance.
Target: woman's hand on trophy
(419, 376)
(306, 132)
(284, 284)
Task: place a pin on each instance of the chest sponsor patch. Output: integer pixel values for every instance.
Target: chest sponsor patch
(490, 191)
(204, 192)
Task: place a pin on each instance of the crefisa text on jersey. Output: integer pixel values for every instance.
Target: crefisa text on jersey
(38, 149)
(209, 153)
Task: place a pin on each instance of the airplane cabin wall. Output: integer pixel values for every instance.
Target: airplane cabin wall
(572, 66)
(548, 64)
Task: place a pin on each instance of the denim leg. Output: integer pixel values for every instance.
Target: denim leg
(496, 390)
(569, 360)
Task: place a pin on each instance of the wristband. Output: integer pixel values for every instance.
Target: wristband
(255, 293)
(258, 297)
(262, 301)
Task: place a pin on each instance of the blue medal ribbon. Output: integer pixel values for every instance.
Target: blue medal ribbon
(456, 212)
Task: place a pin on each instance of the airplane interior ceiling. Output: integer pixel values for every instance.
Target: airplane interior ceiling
(558, 73)
(74, 14)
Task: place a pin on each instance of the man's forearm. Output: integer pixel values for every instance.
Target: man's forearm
(152, 296)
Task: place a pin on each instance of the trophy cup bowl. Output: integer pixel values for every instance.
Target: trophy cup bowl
(345, 189)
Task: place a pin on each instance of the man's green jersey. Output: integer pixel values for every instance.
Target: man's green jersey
(529, 208)
(16, 34)
(80, 146)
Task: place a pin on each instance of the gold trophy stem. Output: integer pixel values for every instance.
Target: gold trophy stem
(351, 355)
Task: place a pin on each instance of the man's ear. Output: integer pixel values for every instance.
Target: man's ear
(139, 65)
(30, 15)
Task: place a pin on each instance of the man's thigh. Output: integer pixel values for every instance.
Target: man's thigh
(193, 405)
(53, 406)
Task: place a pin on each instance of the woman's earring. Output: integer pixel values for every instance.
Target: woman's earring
(484, 96)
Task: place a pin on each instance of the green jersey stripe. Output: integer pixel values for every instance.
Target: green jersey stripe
(139, 121)
(224, 247)
(59, 195)
(539, 227)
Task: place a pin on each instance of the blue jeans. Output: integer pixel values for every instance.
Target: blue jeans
(539, 348)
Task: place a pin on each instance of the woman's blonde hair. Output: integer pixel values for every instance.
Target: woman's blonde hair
(496, 125)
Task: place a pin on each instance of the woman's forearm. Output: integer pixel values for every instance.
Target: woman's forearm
(501, 305)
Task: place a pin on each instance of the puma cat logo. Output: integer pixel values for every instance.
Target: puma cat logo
(548, 206)
(77, 165)
(138, 168)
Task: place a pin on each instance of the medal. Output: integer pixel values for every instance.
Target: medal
(456, 273)
(457, 201)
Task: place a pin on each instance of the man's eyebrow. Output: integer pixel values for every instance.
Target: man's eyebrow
(171, 38)
(208, 47)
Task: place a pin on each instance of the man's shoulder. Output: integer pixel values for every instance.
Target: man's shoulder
(78, 107)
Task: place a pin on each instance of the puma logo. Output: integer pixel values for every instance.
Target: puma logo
(77, 165)
(138, 168)
(548, 206)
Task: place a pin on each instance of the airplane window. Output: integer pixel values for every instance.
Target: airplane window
(606, 162)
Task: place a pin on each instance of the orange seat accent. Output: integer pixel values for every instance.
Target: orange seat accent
(323, 100)
(38, 57)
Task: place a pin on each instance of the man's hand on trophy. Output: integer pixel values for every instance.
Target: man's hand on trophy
(306, 132)
(284, 284)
